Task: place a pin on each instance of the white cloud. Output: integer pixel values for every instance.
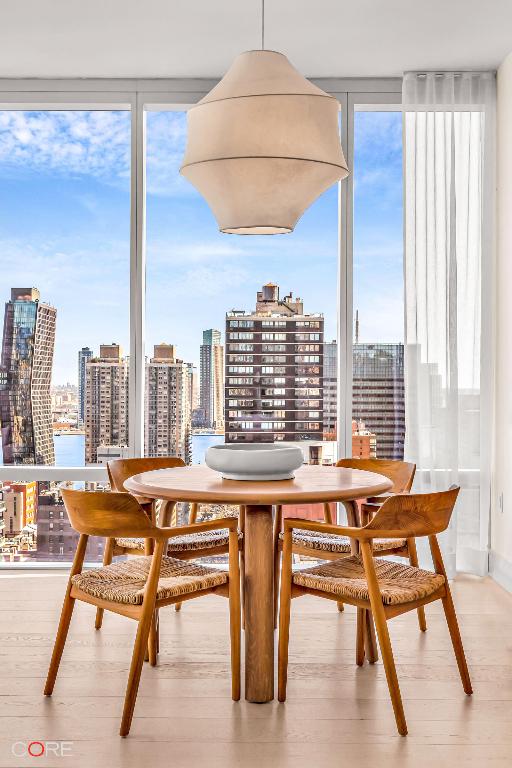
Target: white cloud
(97, 144)
(203, 281)
(69, 143)
(164, 254)
(165, 147)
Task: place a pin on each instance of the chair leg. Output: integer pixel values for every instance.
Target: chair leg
(241, 526)
(391, 676)
(277, 582)
(370, 640)
(152, 640)
(192, 518)
(234, 614)
(384, 639)
(451, 616)
(151, 653)
(65, 618)
(329, 520)
(141, 640)
(366, 644)
(413, 559)
(327, 513)
(453, 626)
(278, 521)
(284, 619)
(242, 589)
(60, 641)
(360, 637)
(139, 649)
(192, 515)
(107, 559)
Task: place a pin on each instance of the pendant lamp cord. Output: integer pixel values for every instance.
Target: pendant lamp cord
(262, 25)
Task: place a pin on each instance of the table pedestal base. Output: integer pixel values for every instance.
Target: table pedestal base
(259, 604)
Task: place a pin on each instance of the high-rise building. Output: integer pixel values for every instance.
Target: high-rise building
(364, 442)
(106, 400)
(378, 398)
(168, 411)
(25, 378)
(84, 355)
(14, 511)
(212, 379)
(56, 539)
(28, 491)
(274, 371)
(378, 395)
(330, 383)
(193, 385)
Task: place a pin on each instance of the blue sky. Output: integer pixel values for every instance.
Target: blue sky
(64, 228)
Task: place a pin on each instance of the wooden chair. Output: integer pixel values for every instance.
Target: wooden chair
(324, 546)
(133, 588)
(386, 588)
(190, 546)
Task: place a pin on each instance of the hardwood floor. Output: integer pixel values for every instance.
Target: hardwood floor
(336, 714)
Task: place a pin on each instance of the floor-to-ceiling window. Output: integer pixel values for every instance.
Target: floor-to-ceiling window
(378, 393)
(64, 306)
(239, 339)
(240, 331)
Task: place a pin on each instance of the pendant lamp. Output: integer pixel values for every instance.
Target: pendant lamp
(263, 145)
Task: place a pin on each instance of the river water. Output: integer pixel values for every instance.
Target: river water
(69, 449)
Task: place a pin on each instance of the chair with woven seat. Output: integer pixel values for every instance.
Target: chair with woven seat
(187, 547)
(324, 546)
(139, 587)
(385, 588)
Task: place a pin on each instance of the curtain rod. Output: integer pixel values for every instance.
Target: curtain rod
(458, 73)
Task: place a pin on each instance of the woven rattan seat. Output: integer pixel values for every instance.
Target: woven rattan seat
(330, 542)
(124, 582)
(187, 543)
(345, 578)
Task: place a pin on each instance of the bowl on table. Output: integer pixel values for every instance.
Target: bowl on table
(255, 461)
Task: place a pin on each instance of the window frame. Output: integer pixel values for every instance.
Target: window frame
(141, 96)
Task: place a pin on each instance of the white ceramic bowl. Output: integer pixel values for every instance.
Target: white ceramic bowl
(255, 461)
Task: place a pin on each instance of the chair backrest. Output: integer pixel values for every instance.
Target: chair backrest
(401, 473)
(120, 470)
(97, 513)
(415, 514)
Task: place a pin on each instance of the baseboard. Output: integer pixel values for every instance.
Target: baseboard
(473, 561)
(501, 570)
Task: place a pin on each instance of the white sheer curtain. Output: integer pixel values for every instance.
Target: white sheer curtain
(449, 123)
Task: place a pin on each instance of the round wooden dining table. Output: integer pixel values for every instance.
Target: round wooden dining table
(312, 484)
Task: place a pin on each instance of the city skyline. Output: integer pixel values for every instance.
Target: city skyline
(252, 337)
(64, 215)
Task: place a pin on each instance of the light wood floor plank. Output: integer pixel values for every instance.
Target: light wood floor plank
(336, 714)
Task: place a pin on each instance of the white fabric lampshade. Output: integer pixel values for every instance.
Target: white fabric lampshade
(263, 145)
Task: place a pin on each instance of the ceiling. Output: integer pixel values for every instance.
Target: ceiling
(199, 38)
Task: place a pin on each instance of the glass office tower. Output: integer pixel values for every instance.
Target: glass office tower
(25, 378)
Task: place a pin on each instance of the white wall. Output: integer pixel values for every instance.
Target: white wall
(501, 524)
